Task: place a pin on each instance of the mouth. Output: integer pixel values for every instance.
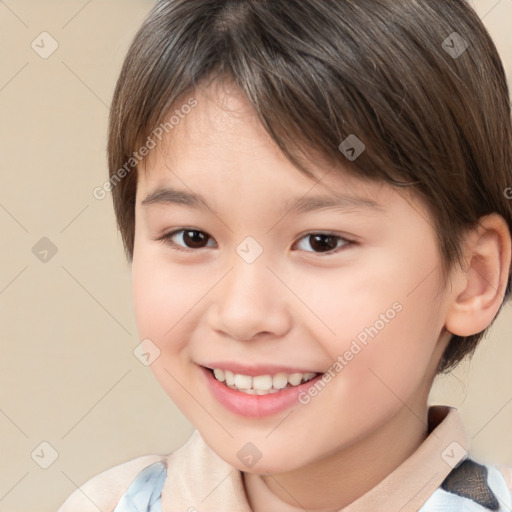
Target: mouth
(260, 394)
(261, 384)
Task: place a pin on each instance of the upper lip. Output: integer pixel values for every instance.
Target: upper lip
(254, 370)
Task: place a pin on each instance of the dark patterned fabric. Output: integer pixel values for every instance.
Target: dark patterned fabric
(469, 480)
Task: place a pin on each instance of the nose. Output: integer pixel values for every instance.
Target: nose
(250, 302)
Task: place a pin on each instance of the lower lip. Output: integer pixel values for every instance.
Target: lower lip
(255, 406)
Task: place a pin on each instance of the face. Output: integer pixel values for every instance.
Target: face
(326, 291)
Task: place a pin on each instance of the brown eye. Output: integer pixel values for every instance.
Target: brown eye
(194, 239)
(323, 242)
(187, 239)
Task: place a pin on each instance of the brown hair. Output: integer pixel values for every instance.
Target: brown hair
(433, 114)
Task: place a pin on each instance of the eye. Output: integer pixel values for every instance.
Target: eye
(187, 239)
(324, 243)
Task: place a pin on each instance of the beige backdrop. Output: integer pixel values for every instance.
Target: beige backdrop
(73, 398)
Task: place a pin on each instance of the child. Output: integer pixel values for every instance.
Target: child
(242, 134)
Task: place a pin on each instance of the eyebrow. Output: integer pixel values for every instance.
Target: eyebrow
(306, 203)
(167, 195)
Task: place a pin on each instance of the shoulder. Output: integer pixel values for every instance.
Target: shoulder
(103, 491)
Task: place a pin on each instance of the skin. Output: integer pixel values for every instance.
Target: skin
(297, 307)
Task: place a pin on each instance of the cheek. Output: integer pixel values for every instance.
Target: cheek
(384, 323)
(164, 297)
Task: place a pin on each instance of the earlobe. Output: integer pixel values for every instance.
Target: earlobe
(478, 289)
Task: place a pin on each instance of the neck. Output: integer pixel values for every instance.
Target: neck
(334, 482)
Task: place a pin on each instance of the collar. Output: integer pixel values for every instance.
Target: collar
(409, 486)
(199, 478)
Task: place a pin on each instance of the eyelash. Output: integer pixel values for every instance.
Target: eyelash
(167, 239)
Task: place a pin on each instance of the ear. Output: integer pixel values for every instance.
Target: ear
(478, 289)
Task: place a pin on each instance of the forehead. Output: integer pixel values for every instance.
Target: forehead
(221, 146)
(222, 121)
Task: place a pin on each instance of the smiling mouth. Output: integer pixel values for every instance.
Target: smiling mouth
(261, 384)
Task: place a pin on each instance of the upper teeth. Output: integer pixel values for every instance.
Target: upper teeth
(261, 384)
